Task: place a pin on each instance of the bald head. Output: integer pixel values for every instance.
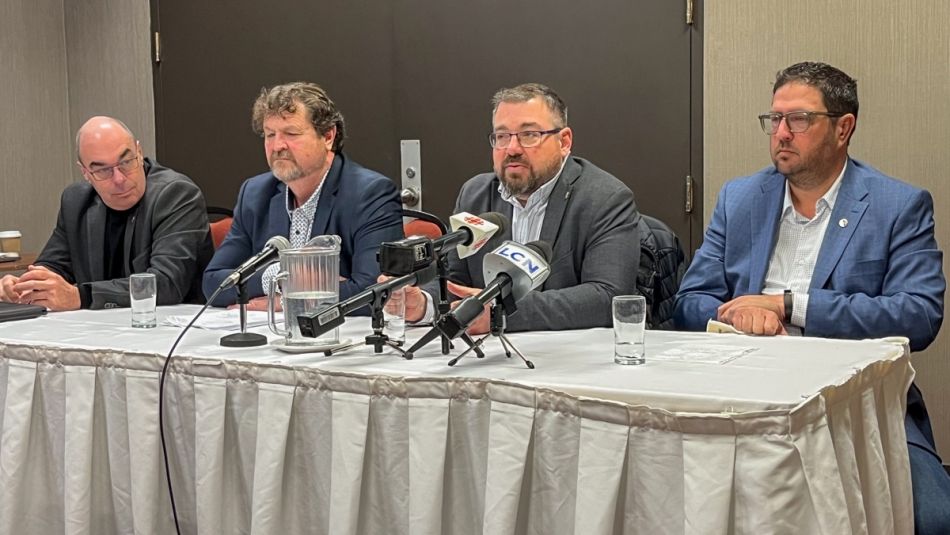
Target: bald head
(111, 161)
(102, 129)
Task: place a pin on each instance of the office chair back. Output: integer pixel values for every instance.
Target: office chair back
(221, 219)
(662, 265)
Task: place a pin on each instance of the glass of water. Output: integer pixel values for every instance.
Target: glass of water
(142, 293)
(394, 316)
(630, 318)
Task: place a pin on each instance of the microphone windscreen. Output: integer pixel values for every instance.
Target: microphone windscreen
(543, 249)
(278, 242)
(498, 220)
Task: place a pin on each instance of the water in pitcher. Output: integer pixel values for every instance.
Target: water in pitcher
(305, 303)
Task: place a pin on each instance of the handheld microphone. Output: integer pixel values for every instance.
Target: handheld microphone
(315, 324)
(514, 270)
(252, 265)
(469, 234)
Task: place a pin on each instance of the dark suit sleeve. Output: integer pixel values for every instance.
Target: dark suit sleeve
(378, 220)
(179, 242)
(609, 267)
(55, 254)
(237, 247)
(704, 287)
(909, 301)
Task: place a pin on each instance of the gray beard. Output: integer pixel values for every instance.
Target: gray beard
(287, 176)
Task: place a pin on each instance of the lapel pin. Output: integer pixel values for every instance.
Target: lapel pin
(843, 223)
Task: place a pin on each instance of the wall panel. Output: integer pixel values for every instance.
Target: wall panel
(35, 147)
(900, 54)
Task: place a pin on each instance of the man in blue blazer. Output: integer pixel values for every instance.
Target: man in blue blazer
(312, 189)
(824, 245)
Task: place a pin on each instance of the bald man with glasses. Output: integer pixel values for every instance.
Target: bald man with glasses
(129, 215)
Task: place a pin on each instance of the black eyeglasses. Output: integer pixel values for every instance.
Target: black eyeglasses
(127, 166)
(527, 139)
(797, 121)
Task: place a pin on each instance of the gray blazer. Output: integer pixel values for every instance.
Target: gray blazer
(591, 224)
(168, 235)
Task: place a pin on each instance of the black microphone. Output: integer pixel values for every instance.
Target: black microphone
(315, 324)
(271, 250)
(470, 233)
(514, 270)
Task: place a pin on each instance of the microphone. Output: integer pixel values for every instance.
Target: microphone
(315, 324)
(469, 234)
(475, 232)
(514, 270)
(252, 265)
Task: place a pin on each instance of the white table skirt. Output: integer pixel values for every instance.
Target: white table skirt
(347, 445)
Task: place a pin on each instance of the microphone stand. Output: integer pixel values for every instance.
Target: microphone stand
(243, 338)
(504, 304)
(443, 308)
(378, 339)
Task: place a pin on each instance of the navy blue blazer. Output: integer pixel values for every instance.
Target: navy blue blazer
(877, 275)
(358, 205)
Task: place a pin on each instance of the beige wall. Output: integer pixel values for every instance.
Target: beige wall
(34, 131)
(110, 65)
(63, 62)
(900, 54)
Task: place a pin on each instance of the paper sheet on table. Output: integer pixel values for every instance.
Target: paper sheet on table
(223, 320)
(707, 354)
(713, 326)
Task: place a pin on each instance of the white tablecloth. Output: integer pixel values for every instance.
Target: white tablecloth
(798, 436)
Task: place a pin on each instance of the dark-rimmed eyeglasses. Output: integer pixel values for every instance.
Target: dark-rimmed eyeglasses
(127, 166)
(797, 121)
(527, 139)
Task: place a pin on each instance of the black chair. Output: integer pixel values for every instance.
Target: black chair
(662, 265)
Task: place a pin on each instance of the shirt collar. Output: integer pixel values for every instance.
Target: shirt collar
(540, 195)
(828, 199)
(310, 204)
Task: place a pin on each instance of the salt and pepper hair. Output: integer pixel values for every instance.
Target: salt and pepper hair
(526, 92)
(838, 90)
(285, 98)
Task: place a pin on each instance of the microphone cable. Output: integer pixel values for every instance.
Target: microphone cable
(161, 406)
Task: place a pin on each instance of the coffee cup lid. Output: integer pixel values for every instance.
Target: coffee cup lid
(10, 234)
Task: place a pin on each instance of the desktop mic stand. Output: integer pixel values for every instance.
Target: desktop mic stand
(443, 308)
(243, 338)
(499, 309)
(378, 339)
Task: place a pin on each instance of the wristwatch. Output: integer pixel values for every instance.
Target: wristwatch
(789, 301)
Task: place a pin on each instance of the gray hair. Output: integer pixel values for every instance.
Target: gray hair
(526, 92)
(119, 123)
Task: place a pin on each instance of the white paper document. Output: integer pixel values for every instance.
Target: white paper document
(223, 320)
(705, 354)
(713, 326)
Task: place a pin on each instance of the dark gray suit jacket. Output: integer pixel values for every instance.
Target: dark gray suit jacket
(591, 224)
(168, 235)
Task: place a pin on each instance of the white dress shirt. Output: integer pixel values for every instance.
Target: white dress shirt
(796, 252)
(526, 222)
